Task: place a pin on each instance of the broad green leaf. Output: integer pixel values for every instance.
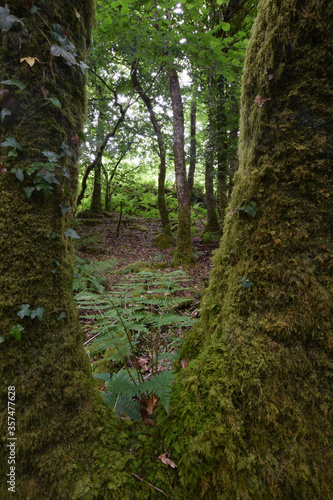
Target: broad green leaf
(14, 81)
(60, 51)
(54, 101)
(38, 313)
(52, 157)
(16, 331)
(64, 209)
(13, 152)
(12, 143)
(71, 234)
(61, 317)
(251, 209)
(7, 20)
(28, 191)
(225, 26)
(25, 311)
(19, 173)
(4, 113)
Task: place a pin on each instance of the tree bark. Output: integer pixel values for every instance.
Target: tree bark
(193, 147)
(183, 253)
(256, 395)
(57, 408)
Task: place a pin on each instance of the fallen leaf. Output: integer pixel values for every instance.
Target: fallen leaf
(30, 60)
(149, 422)
(142, 361)
(151, 404)
(75, 139)
(4, 91)
(45, 91)
(270, 77)
(3, 170)
(184, 363)
(260, 101)
(167, 461)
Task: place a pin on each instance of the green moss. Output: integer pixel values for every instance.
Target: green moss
(250, 415)
(163, 241)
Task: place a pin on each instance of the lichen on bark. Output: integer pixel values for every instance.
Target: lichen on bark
(251, 414)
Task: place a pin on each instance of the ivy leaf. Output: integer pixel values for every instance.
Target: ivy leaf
(245, 282)
(251, 209)
(16, 331)
(71, 234)
(19, 173)
(28, 191)
(54, 101)
(34, 9)
(13, 152)
(64, 209)
(14, 81)
(25, 311)
(60, 51)
(5, 112)
(61, 316)
(38, 313)
(52, 157)
(64, 150)
(12, 143)
(7, 20)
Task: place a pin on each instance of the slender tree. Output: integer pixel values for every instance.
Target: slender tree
(252, 411)
(183, 252)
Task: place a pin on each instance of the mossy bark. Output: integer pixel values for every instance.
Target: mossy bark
(57, 408)
(183, 252)
(251, 414)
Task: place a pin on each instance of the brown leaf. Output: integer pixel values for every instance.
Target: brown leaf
(4, 91)
(75, 139)
(3, 170)
(142, 361)
(149, 422)
(45, 91)
(167, 461)
(270, 77)
(184, 363)
(151, 404)
(260, 101)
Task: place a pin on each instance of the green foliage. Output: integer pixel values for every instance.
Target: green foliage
(135, 316)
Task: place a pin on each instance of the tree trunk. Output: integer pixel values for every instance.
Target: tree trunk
(193, 146)
(251, 414)
(162, 206)
(96, 200)
(183, 252)
(57, 408)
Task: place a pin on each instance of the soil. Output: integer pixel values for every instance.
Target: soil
(135, 242)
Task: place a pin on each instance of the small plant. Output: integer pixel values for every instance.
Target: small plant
(136, 327)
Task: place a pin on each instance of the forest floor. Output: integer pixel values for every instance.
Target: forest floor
(135, 243)
(115, 296)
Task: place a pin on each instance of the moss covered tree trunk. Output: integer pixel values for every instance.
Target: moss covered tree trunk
(193, 145)
(183, 252)
(252, 411)
(57, 409)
